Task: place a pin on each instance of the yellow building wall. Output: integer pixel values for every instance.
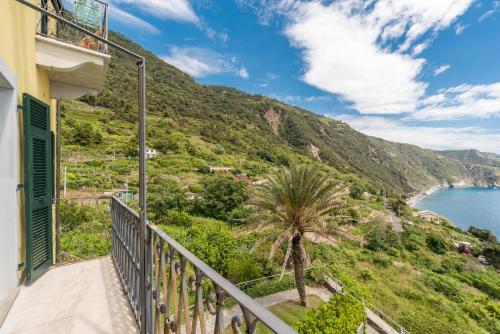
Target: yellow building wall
(18, 26)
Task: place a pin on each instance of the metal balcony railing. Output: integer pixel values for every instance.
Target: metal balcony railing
(184, 295)
(91, 15)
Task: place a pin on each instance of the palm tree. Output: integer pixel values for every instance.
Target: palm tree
(295, 201)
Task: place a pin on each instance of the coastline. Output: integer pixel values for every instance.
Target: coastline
(421, 195)
(413, 200)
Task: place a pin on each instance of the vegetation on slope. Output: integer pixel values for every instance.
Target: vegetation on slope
(246, 123)
(416, 277)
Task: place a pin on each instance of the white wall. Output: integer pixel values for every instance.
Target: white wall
(9, 199)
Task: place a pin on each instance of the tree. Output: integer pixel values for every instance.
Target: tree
(436, 244)
(165, 194)
(295, 201)
(221, 194)
(483, 234)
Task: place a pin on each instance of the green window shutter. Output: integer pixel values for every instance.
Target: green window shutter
(38, 176)
(53, 164)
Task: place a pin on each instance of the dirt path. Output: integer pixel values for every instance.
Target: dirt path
(394, 220)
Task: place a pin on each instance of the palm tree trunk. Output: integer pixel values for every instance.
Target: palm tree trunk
(298, 266)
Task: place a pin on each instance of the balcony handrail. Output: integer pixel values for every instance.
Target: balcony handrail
(167, 270)
(266, 317)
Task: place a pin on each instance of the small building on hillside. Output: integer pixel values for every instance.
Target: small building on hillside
(151, 153)
(122, 194)
(428, 216)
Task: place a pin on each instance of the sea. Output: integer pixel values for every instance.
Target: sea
(475, 206)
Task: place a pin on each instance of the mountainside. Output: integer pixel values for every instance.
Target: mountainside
(263, 127)
(216, 145)
(474, 157)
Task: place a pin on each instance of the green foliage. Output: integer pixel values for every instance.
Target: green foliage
(84, 133)
(343, 314)
(436, 244)
(85, 231)
(204, 169)
(443, 285)
(270, 286)
(483, 234)
(381, 237)
(221, 194)
(492, 253)
(209, 239)
(81, 245)
(357, 191)
(165, 194)
(244, 268)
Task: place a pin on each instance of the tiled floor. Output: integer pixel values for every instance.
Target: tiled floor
(84, 297)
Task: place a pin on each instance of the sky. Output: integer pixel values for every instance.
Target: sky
(425, 72)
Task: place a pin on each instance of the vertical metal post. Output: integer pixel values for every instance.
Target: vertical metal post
(143, 281)
(105, 27)
(58, 183)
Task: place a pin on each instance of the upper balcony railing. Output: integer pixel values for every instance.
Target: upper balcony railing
(184, 295)
(91, 15)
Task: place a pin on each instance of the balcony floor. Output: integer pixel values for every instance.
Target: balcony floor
(84, 297)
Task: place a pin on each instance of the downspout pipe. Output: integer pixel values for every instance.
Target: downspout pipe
(145, 305)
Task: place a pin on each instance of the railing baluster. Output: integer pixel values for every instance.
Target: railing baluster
(183, 298)
(219, 310)
(199, 311)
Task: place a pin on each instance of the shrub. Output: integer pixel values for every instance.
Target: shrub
(165, 194)
(381, 237)
(244, 268)
(219, 149)
(381, 260)
(483, 234)
(442, 284)
(81, 245)
(357, 191)
(73, 216)
(492, 253)
(221, 195)
(204, 169)
(343, 314)
(178, 218)
(85, 133)
(436, 244)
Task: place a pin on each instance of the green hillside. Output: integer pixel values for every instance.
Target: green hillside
(244, 124)
(414, 275)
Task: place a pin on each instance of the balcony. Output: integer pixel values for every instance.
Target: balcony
(76, 63)
(181, 294)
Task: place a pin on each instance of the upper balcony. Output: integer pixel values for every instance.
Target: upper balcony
(76, 63)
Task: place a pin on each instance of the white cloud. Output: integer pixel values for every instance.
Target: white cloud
(365, 51)
(441, 69)
(242, 72)
(461, 102)
(437, 138)
(488, 14)
(179, 10)
(460, 28)
(132, 21)
(202, 62)
(271, 76)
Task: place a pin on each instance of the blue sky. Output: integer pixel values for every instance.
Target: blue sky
(425, 72)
